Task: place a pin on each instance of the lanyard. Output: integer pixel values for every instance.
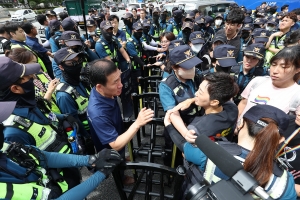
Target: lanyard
(282, 150)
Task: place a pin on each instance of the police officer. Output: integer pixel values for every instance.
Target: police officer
(175, 23)
(196, 42)
(251, 67)
(32, 122)
(189, 17)
(219, 24)
(110, 48)
(92, 36)
(4, 40)
(135, 50)
(51, 15)
(272, 25)
(56, 30)
(186, 30)
(71, 96)
(246, 39)
(163, 19)
(69, 24)
(128, 21)
(156, 29)
(27, 172)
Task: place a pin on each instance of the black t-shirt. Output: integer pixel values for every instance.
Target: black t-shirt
(215, 123)
(236, 42)
(4, 45)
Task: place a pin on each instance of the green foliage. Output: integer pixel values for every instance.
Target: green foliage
(32, 4)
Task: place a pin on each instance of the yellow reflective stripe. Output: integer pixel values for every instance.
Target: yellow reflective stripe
(63, 186)
(278, 186)
(209, 172)
(64, 148)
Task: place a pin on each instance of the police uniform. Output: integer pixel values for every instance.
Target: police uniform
(55, 42)
(254, 50)
(44, 33)
(128, 25)
(185, 34)
(245, 42)
(262, 36)
(175, 23)
(157, 27)
(224, 54)
(90, 22)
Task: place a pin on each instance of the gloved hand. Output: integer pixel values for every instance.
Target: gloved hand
(105, 161)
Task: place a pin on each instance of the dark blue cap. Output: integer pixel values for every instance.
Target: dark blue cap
(224, 54)
(261, 35)
(137, 26)
(249, 11)
(190, 15)
(68, 24)
(248, 20)
(105, 25)
(65, 54)
(219, 16)
(156, 9)
(200, 20)
(197, 37)
(256, 50)
(177, 13)
(11, 71)
(50, 12)
(6, 108)
(127, 15)
(257, 112)
(90, 22)
(248, 27)
(71, 38)
(273, 21)
(175, 43)
(220, 37)
(208, 19)
(147, 22)
(259, 21)
(184, 57)
(54, 25)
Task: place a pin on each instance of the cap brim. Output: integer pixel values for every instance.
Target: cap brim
(250, 53)
(221, 40)
(261, 39)
(31, 68)
(190, 63)
(72, 56)
(227, 62)
(198, 41)
(73, 42)
(246, 29)
(6, 108)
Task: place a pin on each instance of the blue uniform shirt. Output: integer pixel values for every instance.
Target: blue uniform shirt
(34, 44)
(121, 36)
(47, 32)
(179, 36)
(99, 47)
(130, 47)
(105, 119)
(166, 94)
(53, 45)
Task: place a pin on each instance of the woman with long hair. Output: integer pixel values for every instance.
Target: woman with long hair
(260, 134)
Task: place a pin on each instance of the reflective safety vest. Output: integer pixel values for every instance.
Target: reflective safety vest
(39, 60)
(181, 94)
(45, 81)
(175, 30)
(113, 55)
(47, 137)
(277, 43)
(157, 31)
(277, 182)
(81, 101)
(138, 50)
(127, 34)
(57, 41)
(98, 31)
(34, 185)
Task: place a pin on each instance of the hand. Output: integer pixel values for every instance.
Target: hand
(157, 64)
(52, 85)
(295, 173)
(167, 120)
(95, 38)
(183, 105)
(190, 136)
(105, 161)
(279, 34)
(145, 116)
(88, 43)
(160, 56)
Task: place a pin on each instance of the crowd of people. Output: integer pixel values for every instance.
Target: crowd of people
(231, 76)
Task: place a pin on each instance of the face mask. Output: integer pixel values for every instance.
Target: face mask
(138, 35)
(146, 31)
(72, 73)
(196, 48)
(92, 33)
(127, 22)
(186, 74)
(163, 17)
(177, 20)
(269, 28)
(107, 36)
(155, 18)
(219, 68)
(186, 35)
(245, 34)
(197, 27)
(218, 22)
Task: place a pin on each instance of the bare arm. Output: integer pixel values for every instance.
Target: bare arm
(178, 123)
(124, 54)
(242, 106)
(144, 117)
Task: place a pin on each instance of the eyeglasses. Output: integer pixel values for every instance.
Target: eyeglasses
(73, 62)
(165, 42)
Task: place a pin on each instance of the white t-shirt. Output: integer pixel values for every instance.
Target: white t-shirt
(266, 93)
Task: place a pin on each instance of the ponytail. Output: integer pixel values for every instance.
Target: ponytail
(259, 161)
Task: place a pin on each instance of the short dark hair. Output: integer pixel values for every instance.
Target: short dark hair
(143, 10)
(290, 55)
(63, 15)
(284, 7)
(263, 3)
(12, 27)
(2, 28)
(296, 11)
(291, 15)
(134, 9)
(41, 19)
(168, 34)
(235, 16)
(27, 27)
(292, 39)
(112, 17)
(221, 87)
(99, 70)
